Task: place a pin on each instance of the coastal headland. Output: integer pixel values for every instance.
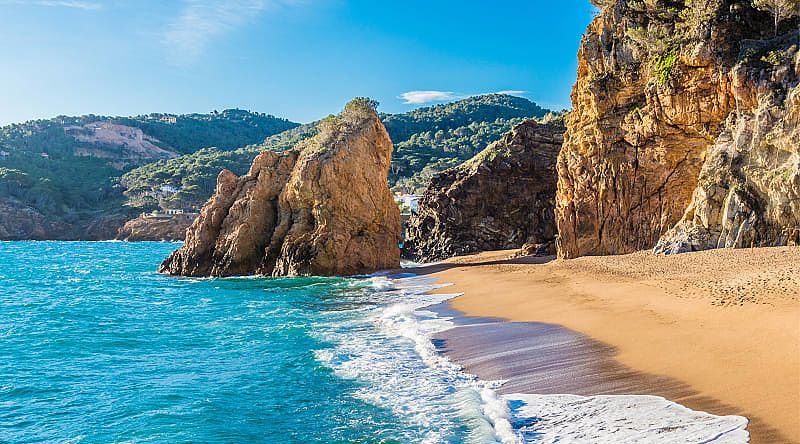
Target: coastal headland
(717, 331)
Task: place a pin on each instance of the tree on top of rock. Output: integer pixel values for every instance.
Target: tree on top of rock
(780, 9)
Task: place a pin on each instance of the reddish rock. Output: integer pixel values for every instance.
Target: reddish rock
(323, 208)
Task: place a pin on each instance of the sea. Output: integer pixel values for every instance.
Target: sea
(96, 347)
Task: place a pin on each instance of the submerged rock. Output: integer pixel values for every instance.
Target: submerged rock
(323, 208)
(500, 199)
(682, 130)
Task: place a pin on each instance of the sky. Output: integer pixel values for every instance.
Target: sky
(298, 59)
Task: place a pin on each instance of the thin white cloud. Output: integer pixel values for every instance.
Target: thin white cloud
(86, 6)
(423, 97)
(512, 92)
(201, 21)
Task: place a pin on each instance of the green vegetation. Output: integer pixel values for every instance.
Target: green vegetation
(226, 130)
(433, 139)
(188, 181)
(68, 188)
(426, 141)
(74, 189)
(663, 64)
(773, 58)
(665, 29)
(361, 106)
(43, 165)
(780, 9)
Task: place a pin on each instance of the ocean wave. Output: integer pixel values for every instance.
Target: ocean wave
(619, 419)
(403, 371)
(390, 350)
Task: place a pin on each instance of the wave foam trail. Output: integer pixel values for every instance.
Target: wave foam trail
(391, 351)
(619, 419)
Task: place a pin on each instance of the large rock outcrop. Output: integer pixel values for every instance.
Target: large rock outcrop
(664, 92)
(323, 208)
(748, 193)
(500, 199)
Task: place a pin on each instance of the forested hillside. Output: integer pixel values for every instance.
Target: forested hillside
(64, 172)
(80, 177)
(188, 181)
(426, 141)
(429, 140)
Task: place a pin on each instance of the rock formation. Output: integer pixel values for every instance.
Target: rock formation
(676, 108)
(21, 222)
(748, 193)
(171, 229)
(500, 199)
(323, 208)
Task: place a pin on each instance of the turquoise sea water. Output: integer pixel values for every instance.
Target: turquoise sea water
(95, 347)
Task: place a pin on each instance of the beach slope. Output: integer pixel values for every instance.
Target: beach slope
(722, 325)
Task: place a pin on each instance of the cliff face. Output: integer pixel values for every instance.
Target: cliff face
(323, 208)
(500, 199)
(142, 228)
(748, 192)
(21, 222)
(662, 93)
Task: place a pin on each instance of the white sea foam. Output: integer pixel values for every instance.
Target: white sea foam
(391, 352)
(619, 419)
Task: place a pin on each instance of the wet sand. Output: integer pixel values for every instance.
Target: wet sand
(716, 331)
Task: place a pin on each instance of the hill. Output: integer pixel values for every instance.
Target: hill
(83, 177)
(426, 141)
(188, 181)
(64, 172)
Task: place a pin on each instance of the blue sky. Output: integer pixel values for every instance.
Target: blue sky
(299, 59)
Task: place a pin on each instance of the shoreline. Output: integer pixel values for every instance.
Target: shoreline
(715, 331)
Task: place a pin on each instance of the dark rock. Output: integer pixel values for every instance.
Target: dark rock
(500, 199)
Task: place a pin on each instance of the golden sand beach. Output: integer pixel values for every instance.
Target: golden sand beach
(723, 325)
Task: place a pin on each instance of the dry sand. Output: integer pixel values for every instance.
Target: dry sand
(717, 331)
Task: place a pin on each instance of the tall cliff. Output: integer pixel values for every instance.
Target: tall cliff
(502, 198)
(323, 208)
(673, 131)
(748, 192)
